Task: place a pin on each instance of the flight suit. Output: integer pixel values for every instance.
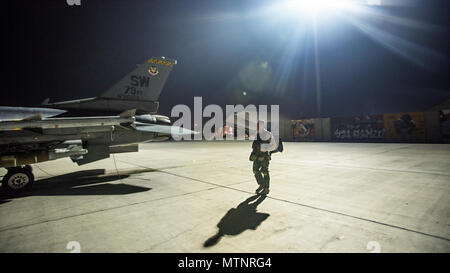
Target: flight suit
(261, 162)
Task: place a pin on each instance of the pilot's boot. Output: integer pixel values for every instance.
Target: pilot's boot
(265, 191)
(260, 188)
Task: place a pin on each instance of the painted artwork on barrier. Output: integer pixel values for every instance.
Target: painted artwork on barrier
(303, 129)
(444, 117)
(405, 126)
(359, 128)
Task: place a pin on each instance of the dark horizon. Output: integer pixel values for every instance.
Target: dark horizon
(60, 52)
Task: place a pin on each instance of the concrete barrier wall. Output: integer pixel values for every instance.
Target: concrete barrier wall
(286, 129)
(405, 127)
(444, 125)
(358, 128)
(323, 131)
(303, 129)
(432, 126)
(395, 127)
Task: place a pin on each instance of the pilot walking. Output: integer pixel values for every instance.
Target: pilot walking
(262, 146)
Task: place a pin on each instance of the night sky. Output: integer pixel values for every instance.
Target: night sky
(52, 50)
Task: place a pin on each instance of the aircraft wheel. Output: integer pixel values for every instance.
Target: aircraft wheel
(17, 179)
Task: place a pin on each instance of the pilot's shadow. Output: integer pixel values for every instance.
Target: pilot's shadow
(239, 219)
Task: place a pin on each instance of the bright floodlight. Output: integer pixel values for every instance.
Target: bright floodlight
(314, 6)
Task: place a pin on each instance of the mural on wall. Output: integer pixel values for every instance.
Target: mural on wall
(303, 129)
(444, 117)
(361, 128)
(405, 126)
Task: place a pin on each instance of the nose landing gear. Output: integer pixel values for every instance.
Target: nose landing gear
(18, 178)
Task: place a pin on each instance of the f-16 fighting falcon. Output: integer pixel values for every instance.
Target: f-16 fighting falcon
(69, 129)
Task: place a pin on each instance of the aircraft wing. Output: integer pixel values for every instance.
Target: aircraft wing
(36, 121)
(35, 139)
(18, 113)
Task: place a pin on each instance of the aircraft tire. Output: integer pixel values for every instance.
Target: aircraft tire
(17, 179)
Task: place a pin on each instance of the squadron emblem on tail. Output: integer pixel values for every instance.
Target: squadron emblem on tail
(153, 70)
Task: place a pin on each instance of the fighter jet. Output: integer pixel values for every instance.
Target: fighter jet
(31, 135)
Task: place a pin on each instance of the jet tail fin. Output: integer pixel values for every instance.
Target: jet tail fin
(139, 89)
(144, 83)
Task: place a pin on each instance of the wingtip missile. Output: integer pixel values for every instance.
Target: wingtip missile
(166, 129)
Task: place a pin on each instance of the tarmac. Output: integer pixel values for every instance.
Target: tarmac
(199, 197)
